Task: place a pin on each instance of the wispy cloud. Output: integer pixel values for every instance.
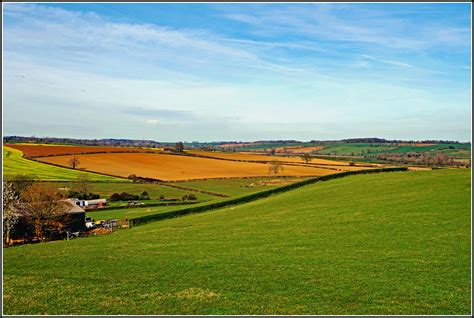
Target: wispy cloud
(396, 63)
(279, 64)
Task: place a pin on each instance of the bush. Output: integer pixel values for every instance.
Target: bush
(115, 197)
(162, 197)
(83, 196)
(144, 196)
(124, 196)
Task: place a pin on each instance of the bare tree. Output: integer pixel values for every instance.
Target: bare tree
(133, 177)
(42, 204)
(179, 147)
(11, 213)
(74, 162)
(275, 167)
(306, 157)
(82, 185)
(19, 182)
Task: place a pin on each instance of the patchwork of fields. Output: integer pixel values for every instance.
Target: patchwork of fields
(32, 150)
(176, 167)
(14, 164)
(248, 156)
(388, 243)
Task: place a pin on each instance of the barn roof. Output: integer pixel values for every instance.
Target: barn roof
(73, 207)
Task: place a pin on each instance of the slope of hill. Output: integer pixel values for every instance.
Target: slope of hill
(14, 164)
(389, 243)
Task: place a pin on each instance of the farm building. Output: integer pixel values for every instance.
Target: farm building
(90, 203)
(73, 220)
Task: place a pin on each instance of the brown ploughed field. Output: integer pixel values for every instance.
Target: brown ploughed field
(248, 156)
(31, 151)
(176, 167)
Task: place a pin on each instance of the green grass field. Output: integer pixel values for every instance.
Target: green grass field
(373, 149)
(388, 243)
(14, 163)
(352, 149)
(237, 186)
(123, 214)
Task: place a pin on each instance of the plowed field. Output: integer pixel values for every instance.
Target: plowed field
(299, 149)
(174, 167)
(256, 157)
(31, 151)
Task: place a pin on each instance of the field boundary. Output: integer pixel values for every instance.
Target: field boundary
(251, 197)
(315, 165)
(108, 208)
(85, 171)
(194, 190)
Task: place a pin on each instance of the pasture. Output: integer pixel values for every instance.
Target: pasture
(14, 164)
(366, 149)
(237, 186)
(230, 187)
(388, 243)
(176, 167)
(154, 190)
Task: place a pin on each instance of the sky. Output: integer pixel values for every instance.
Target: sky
(215, 72)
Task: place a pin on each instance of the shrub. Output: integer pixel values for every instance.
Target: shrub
(115, 197)
(124, 196)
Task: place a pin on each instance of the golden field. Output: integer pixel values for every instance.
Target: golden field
(248, 156)
(177, 167)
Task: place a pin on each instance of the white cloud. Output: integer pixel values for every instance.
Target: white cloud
(152, 121)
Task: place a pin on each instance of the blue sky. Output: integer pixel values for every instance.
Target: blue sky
(211, 72)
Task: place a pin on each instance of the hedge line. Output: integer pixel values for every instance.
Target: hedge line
(251, 197)
(194, 190)
(105, 208)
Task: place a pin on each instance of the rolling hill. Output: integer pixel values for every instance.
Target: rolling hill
(387, 243)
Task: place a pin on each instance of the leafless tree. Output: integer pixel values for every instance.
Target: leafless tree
(74, 162)
(41, 205)
(82, 185)
(275, 167)
(306, 157)
(179, 147)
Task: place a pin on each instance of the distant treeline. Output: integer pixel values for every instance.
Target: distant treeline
(85, 142)
(196, 144)
(382, 140)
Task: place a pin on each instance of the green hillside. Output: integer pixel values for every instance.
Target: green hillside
(14, 163)
(387, 243)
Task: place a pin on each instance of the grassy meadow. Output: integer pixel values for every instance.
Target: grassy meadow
(14, 163)
(387, 243)
(238, 186)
